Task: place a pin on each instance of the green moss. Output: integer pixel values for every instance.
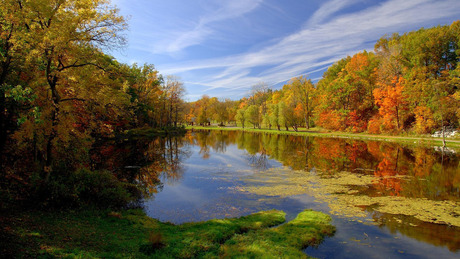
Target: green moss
(285, 241)
(205, 238)
(131, 234)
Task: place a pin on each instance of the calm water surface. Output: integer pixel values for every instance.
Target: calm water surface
(218, 174)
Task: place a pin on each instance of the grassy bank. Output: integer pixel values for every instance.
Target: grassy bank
(131, 234)
(316, 132)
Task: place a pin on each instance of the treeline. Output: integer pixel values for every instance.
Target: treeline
(59, 91)
(410, 83)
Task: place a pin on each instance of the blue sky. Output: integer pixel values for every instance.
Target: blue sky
(223, 47)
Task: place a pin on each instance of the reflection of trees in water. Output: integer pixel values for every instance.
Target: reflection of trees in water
(216, 141)
(146, 161)
(175, 152)
(430, 174)
(435, 234)
(259, 161)
(386, 171)
(221, 143)
(201, 139)
(400, 171)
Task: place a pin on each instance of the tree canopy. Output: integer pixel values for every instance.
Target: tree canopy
(410, 83)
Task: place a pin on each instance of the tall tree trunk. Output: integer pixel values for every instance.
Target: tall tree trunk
(55, 99)
(164, 110)
(443, 137)
(3, 130)
(176, 119)
(170, 113)
(3, 115)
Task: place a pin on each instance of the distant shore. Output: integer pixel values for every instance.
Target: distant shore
(451, 143)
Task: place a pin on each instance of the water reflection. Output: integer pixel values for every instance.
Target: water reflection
(209, 174)
(419, 172)
(436, 234)
(151, 162)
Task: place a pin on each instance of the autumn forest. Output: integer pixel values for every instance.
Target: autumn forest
(62, 95)
(410, 83)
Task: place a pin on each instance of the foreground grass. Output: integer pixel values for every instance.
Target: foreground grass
(425, 140)
(131, 234)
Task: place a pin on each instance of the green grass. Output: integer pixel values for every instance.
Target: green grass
(286, 241)
(425, 140)
(131, 234)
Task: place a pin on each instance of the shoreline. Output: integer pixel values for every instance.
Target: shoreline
(409, 140)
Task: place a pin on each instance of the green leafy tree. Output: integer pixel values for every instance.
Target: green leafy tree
(240, 118)
(251, 115)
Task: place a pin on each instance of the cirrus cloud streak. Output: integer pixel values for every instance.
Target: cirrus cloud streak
(318, 44)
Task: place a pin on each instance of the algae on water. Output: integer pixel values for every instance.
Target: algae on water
(340, 192)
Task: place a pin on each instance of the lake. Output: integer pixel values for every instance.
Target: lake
(386, 200)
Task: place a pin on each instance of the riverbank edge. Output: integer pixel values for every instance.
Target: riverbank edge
(152, 132)
(407, 140)
(95, 233)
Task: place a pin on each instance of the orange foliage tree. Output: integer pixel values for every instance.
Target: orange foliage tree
(392, 104)
(345, 99)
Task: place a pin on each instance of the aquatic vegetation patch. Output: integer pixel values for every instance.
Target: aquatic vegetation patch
(339, 191)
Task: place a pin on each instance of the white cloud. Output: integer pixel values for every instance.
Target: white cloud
(328, 9)
(202, 30)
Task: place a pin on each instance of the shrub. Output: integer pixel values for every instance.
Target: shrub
(374, 125)
(155, 242)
